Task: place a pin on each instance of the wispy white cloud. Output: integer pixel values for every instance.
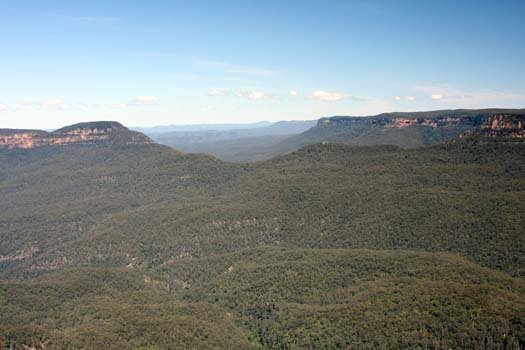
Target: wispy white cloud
(293, 93)
(83, 106)
(26, 103)
(359, 98)
(237, 69)
(257, 95)
(146, 99)
(52, 103)
(327, 96)
(254, 95)
(397, 98)
(216, 92)
(138, 101)
(120, 106)
(472, 99)
(410, 98)
(3, 108)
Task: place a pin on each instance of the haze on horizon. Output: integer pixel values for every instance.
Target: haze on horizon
(177, 62)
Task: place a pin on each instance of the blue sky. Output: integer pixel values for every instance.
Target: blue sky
(184, 62)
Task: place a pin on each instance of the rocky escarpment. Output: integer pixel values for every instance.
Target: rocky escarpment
(83, 133)
(499, 128)
(399, 121)
(502, 127)
(490, 123)
(415, 129)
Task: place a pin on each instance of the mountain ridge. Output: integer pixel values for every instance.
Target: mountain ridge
(404, 129)
(107, 132)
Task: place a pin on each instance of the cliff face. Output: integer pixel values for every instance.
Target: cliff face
(501, 125)
(399, 122)
(506, 127)
(416, 129)
(487, 124)
(84, 133)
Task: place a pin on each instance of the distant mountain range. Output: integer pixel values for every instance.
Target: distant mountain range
(200, 127)
(410, 129)
(229, 142)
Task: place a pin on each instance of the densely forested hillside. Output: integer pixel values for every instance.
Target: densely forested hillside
(362, 299)
(111, 309)
(138, 246)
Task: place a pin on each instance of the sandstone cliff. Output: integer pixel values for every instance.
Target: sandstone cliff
(485, 123)
(83, 133)
(503, 126)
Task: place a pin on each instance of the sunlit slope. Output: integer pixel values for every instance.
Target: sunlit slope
(362, 299)
(271, 298)
(110, 309)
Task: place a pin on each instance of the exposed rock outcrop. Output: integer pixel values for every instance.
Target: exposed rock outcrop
(25, 253)
(83, 133)
(490, 123)
(399, 122)
(505, 127)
